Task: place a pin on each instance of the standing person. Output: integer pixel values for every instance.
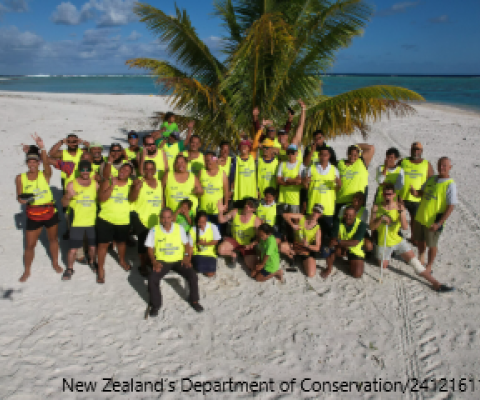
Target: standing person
(267, 210)
(115, 160)
(297, 139)
(392, 214)
(179, 184)
(271, 132)
(81, 197)
(146, 196)
(354, 173)
(169, 249)
(71, 153)
(34, 191)
(150, 152)
(308, 237)
(204, 239)
(267, 168)
(438, 199)
(113, 222)
(195, 158)
(269, 265)
(245, 181)
(98, 160)
(312, 152)
(416, 172)
(173, 145)
(215, 187)
(389, 172)
(244, 225)
(224, 159)
(348, 240)
(133, 148)
(322, 180)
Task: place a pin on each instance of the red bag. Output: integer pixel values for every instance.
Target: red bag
(41, 212)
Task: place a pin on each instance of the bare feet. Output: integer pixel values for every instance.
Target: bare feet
(428, 268)
(24, 277)
(279, 276)
(58, 269)
(125, 265)
(325, 273)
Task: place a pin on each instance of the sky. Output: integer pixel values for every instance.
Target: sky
(98, 36)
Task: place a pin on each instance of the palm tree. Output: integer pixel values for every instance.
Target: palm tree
(273, 52)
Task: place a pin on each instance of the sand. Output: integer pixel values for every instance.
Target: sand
(341, 329)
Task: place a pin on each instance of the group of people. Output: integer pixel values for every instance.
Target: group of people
(267, 201)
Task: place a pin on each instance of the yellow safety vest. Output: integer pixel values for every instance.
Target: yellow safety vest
(303, 233)
(283, 157)
(171, 152)
(267, 213)
(354, 179)
(245, 179)
(393, 238)
(266, 175)
(39, 187)
(66, 156)
(159, 163)
(208, 251)
(315, 158)
(114, 171)
(243, 233)
(132, 155)
(116, 209)
(149, 204)
(212, 191)
(415, 175)
(226, 168)
(175, 192)
(344, 235)
(290, 194)
(434, 201)
(169, 246)
(84, 204)
(391, 177)
(322, 190)
(196, 165)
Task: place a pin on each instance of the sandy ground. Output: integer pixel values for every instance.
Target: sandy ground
(334, 330)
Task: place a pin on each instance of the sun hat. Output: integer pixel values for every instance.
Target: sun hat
(268, 143)
(32, 156)
(292, 147)
(245, 143)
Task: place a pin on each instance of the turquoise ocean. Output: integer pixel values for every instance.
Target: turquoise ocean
(462, 91)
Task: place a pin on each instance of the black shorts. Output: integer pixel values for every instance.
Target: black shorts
(108, 232)
(78, 232)
(313, 254)
(354, 257)
(412, 207)
(34, 225)
(140, 230)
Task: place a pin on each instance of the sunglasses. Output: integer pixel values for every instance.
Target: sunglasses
(291, 152)
(72, 142)
(149, 144)
(115, 151)
(86, 170)
(270, 130)
(389, 194)
(133, 137)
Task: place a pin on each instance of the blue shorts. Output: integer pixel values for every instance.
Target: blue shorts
(264, 272)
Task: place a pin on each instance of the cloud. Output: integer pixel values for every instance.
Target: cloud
(67, 14)
(134, 36)
(409, 46)
(17, 6)
(97, 36)
(397, 8)
(12, 39)
(214, 43)
(442, 19)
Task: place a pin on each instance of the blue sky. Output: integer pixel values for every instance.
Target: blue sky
(97, 36)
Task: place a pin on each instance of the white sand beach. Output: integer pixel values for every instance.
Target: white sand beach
(340, 329)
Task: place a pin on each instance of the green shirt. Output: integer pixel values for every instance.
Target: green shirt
(182, 221)
(181, 144)
(269, 248)
(169, 128)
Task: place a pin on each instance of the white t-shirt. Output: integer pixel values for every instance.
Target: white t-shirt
(290, 166)
(452, 198)
(400, 178)
(322, 171)
(150, 241)
(363, 217)
(216, 233)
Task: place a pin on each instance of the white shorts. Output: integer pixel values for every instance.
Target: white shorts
(399, 249)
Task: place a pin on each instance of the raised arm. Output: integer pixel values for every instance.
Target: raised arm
(368, 150)
(298, 136)
(191, 124)
(47, 169)
(222, 217)
(55, 151)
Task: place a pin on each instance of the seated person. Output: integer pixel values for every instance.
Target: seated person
(308, 237)
(204, 256)
(269, 265)
(267, 211)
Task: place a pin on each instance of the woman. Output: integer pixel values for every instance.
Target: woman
(204, 237)
(269, 265)
(146, 196)
(33, 190)
(180, 184)
(308, 237)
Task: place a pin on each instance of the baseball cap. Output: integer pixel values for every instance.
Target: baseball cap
(292, 147)
(32, 156)
(85, 165)
(317, 208)
(418, 145)
(268, 143)
(281, 132)
(245, 143)
(94, 145)
(175, 135)
(132, 135)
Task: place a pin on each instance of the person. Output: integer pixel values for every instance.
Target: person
(224, 159)
(195, 158)
(71, 153)
(269, 265)
(388, 217)
(322, 180)
(169, 125)
(267, 210)
(113, 222)
(438, 199)
(204, 237)
(348, 240)
(133, 148)
(312, 152)
(416, 172)
(150, 152)
(354, 173)
(33, 190)
(184, 216)
(244, 171)
(215, 187)
(146, 196)
(98, 160)
(271, 132)
(115, 161)
(173, 145)
(81, 198)
(308, 238)
(169, 249)
(180, 184)
(358, 203)
(389, 172)
(244, 225)
(267, 168)
(296, 140)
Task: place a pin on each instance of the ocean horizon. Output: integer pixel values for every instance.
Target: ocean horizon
(458, 90)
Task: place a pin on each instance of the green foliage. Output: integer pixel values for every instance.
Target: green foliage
(274, 53)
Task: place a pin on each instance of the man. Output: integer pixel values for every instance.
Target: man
(196, 160)
(83, 190)
(224, 160)
(244, 231)
(388, 217)
(133, 149)
(416, 172)
(169, 249)
(115, 160)
(297, 139)
(322, 180)
(267, 168)
(354, 173)
(312, 152)
(72, 153)
(289, 181)
(151, 152)
(438, 199)
(244, 171)
(113, 223)
(98, 160)
(173, 145)
(388, 173)
(348, 238)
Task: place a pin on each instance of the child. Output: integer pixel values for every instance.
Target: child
(184, 215)
(267, 211)
(169, 125)
(269, 265)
